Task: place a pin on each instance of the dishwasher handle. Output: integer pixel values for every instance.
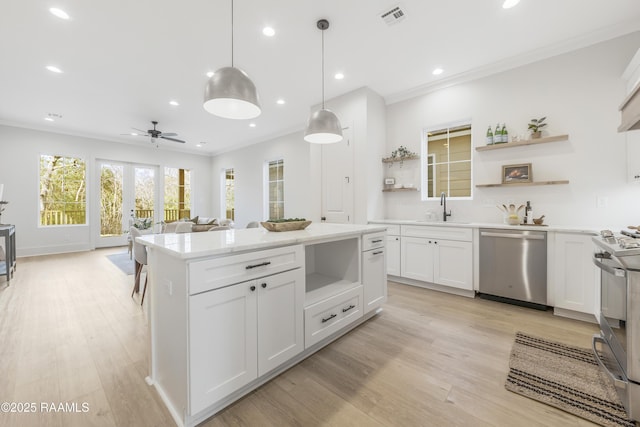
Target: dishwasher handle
(512, 235)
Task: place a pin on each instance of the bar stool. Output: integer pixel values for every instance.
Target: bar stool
(140, 255)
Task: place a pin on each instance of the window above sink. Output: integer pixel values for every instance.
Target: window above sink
(446, 161)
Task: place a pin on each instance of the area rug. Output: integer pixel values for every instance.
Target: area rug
(566, 377)
(123, 262)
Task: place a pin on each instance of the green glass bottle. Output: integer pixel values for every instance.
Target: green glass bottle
(489, 136)
(505, 133)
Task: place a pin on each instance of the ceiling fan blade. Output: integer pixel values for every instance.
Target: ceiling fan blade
(169, 134)
(172, 139)
(140, 131)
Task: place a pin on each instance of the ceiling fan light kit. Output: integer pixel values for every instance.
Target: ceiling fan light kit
(230, 93)
(323, 126)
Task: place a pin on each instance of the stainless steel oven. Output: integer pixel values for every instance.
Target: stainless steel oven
(617, 347)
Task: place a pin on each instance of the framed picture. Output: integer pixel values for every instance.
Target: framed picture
(512, 174)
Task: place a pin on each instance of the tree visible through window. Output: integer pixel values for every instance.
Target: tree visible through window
(276, 189)
(62, 190)
(177, 194)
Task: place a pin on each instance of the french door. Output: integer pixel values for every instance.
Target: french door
(125, 191)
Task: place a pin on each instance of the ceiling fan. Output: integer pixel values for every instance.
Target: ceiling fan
(155, 134)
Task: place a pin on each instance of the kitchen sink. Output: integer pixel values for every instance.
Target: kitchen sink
(424, 221)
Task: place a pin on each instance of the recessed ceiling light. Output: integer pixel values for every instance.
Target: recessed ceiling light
(508, 4)
(174, 103)
(54, 69)
(338, 76)
(280, 101)
(252, 125)
(59, 13)
(437, 71)
(49, 119)
(268, 31)
(198, 145)
(133, 134)
(210, 74)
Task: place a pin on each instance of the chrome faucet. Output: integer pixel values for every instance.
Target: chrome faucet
(443, 203)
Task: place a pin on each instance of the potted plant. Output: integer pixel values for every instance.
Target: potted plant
(535, 126)
(402, 153)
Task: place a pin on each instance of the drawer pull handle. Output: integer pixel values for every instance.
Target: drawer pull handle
(378, 252)
(264, 285)
(376, 241)
(262, 264)
(253, 288)
(329, 318)
(344, 310)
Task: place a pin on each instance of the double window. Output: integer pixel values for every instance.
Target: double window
(177, 194)
(62, 190)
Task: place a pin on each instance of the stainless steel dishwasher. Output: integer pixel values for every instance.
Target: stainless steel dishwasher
(513, 266)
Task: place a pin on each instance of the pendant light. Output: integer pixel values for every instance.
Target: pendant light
(323, 126)
(230, 93)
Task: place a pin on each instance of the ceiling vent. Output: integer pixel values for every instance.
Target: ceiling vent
(393, 15)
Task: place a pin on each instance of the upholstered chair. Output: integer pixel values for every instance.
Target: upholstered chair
(253, 224)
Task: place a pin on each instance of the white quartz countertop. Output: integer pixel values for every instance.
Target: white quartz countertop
(212, 243)
(555, 228)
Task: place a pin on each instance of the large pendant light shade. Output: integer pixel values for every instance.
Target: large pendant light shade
(323, 126)
(230, 93)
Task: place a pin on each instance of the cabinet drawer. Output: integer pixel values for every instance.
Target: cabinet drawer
(373, 241)
(216, 273)
(329, 316)
(448, 233)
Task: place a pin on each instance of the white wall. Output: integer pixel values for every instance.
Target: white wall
(20, 151)
(248, 164)
(364, 111)
(580, 93)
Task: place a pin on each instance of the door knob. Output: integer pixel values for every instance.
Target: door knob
(264, 285)
(253, 288)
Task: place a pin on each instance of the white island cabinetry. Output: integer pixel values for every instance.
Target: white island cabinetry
(231, 310)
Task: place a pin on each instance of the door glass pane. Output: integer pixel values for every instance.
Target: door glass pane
(111, 180)
(144, 188)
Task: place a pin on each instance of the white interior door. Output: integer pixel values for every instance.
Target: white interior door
(124, 190)
(337, 180)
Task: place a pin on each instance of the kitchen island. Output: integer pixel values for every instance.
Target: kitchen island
(229, 310)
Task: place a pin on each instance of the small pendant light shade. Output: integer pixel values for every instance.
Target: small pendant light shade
(323, 126)
(231, 94)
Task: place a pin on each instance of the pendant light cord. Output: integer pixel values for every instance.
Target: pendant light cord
(232, 33)
(323, 69)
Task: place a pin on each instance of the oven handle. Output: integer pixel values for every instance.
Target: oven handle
(621, 384)
(618, 272)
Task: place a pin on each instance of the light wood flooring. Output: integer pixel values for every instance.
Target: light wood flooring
(69, 332)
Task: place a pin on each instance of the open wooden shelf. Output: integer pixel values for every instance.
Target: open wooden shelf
(399, 159)
(523, 184)
(523, 143)
(391, 190)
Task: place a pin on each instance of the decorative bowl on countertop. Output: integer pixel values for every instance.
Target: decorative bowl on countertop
(285, 226)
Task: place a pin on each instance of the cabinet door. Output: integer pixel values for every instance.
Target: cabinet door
(374, 278)
(280, 318)
(222, 343)
(417, 258)
(393, 255)
(576, 279)
(453, 264)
